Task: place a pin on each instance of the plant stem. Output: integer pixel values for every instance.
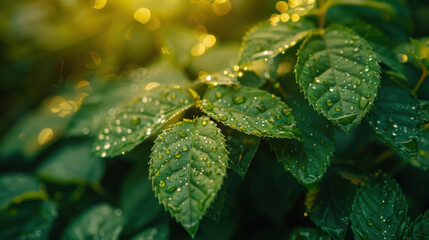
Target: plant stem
(322, 14)
(422, 78)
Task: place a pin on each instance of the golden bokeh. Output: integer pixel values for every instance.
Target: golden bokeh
(98, 4)
(142, 15)
(198, 49)
(208, 40)
(221, 7)
(282, 6)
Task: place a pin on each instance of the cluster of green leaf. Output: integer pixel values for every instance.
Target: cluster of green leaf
(347, 79)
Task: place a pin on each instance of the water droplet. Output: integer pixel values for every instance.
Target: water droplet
(162, 183)
(337, 109)
(261, 108)
(218, 95)
(167, 151)
(369, 223)
(161, 138)
(222, 117)
(171, 189)
(214, 149)
(287, 112)
(363, 102)
(204, 122)
(358, 83)
(239, 100)
(329, 102)
(177, 155)
(134, 120)
(206, 104)
(182, 134)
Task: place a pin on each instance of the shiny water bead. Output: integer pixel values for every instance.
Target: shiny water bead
(134, 120)
(239, 100)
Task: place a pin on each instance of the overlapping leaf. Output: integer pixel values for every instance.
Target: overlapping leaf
(420, 227)
(140, 119)
(17, 187)
(99, 222)
(330, 205)
(98, 109)
(250, 111)
(308, 234)
(241, 147)
(379, 209)
(396, 118)
(137, 201)
(28, 220)
(72, 164)
(309, 159)
(187, 167)
(153, 233)
(267, 40)
(339, 74)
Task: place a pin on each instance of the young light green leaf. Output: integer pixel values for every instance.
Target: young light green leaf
(420, 227)
(72, 164)
(99, 222)
(421, 50)
(153, 233)
(18, 187)
(241, 147)
(330, 205)
(251, 111)
(28, 220)
(339, 74)
(268, 40)
(309, 159)
(397, 119)
(308, 234)
(187, 167)
(379, 209)
(140, 119)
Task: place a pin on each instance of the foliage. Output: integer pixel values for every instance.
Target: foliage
(316, 128)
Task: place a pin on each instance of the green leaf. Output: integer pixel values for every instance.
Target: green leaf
(97, 109)
(18, 187)
(137, 201)
(267, 40)
(98, 222)
(72, 164)
(379, 209)
(308, 234)
(153, 233)
(421, 48)
(251, 111)
(374, 4)
(420, 227)
(216, 59)
(28, 220)
(241, 147)
(187, 167)
(330, 204)
(140, 119)
(381, 45)
(309, 159)
(339, 74)
(397, 120)
(422, 159)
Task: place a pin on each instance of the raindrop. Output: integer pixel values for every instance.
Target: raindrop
(239, 100)
(171, 189)
(134, 120)
(162, 183)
